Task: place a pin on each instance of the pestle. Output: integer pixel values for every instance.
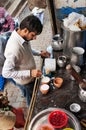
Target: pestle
(77, 77)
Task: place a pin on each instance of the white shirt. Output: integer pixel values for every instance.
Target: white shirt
(19, 59)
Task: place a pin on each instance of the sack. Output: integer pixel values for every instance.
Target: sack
(7, 120)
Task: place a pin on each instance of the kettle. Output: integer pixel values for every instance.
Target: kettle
(57, 42)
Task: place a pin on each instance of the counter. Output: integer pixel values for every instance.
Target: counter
(61, 97)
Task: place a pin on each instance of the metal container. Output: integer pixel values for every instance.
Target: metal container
(77, 56)
(82, 93)
(61, 61)
(57, 42)
(73, 39)
(42, 118)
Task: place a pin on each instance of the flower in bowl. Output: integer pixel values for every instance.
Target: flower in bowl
(58, 82)
(58, 119)
(45, 127)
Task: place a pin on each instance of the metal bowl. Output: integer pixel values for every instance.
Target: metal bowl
(74, 107)
(42, 118)
(61, 61)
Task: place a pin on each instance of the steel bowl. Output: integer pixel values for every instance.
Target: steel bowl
(61, 61)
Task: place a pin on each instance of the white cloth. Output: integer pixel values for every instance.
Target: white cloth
(74, 21)
(39, 12)
(19, 59)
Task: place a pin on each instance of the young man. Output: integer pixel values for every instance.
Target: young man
(19, 64)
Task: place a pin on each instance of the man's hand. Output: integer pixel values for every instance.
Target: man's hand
(36, 73)
(45, 54)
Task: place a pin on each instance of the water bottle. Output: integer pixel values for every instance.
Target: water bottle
(50, 50)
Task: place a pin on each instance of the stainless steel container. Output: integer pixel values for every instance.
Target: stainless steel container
(82, 93)
(61, 61)
(77, 56)
(57, 42)
(73, 39)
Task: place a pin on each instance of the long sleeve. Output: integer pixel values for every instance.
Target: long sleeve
(35, 52)
(10, 71)
(19, 59)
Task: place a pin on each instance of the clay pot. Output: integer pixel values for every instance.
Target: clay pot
(45, 80)
(44, 88)
(58, 82)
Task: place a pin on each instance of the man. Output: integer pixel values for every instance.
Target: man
(19, 64)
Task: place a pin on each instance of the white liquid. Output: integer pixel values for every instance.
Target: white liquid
(44, 87)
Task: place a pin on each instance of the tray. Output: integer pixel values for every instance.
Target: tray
(42, 118)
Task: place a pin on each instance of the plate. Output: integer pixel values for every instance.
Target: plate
(42, 118)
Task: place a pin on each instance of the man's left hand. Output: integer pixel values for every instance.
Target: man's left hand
(45, 54)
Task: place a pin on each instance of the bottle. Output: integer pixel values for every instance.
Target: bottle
(50, 50)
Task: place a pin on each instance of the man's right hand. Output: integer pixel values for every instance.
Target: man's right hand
(36, 73)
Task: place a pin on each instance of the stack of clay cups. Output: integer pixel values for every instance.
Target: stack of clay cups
(44, 87)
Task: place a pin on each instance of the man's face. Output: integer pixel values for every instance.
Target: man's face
(30, 36)
(27, 35)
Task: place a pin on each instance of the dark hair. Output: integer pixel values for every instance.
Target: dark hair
(32, 23)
